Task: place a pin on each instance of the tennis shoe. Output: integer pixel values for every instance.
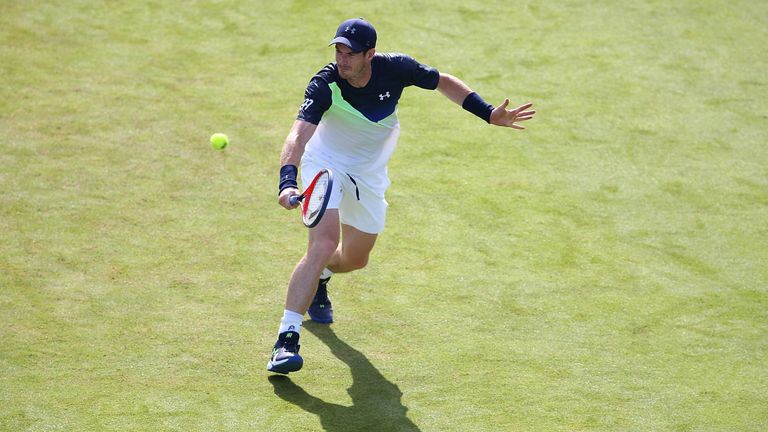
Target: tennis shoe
(285, 355)
(321, 310)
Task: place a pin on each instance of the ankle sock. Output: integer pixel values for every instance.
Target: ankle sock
(291, 322)
(326, 273)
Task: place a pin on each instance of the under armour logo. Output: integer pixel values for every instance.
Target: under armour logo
(382, 96)
(350, 29)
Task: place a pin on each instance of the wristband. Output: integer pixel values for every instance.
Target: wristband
(477, 106)
(288, 177)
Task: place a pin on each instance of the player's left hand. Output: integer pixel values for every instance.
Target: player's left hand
(501, 116)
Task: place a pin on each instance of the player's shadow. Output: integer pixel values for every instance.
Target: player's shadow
(376, 404)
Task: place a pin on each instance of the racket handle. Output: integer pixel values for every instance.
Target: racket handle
(294, 199)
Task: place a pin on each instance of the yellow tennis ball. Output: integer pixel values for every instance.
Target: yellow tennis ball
(219, 141)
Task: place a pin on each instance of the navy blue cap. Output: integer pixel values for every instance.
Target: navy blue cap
(356, 33)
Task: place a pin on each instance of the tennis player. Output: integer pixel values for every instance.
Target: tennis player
(348, 124)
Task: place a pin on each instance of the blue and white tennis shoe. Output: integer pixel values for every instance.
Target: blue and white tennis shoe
(285, 355)
(321, 310)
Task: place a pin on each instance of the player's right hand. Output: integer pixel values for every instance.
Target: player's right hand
(285, 198)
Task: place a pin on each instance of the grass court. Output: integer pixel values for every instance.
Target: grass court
(604, 270)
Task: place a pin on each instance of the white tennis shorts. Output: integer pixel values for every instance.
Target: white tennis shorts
(359, 205)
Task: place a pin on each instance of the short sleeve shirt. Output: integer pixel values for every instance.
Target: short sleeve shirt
(358, 127)
(390, 74)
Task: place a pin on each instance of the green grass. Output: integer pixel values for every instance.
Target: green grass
(603, 270)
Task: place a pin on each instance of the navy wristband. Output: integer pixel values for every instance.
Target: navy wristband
(477, 106)
(288, 177)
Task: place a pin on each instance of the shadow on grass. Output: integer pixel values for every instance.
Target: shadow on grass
(376, 402)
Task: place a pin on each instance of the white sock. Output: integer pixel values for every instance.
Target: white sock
(291, 322)
(326, 273)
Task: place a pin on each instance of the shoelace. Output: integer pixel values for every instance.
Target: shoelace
(290, 345)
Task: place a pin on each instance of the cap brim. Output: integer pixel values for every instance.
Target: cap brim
(344, 41)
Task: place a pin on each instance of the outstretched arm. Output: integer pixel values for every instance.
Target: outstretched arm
(455, 90)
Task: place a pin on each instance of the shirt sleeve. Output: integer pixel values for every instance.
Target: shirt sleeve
(317, 100)
(415, 73)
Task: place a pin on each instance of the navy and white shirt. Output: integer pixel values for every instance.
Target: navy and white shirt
(358, 127)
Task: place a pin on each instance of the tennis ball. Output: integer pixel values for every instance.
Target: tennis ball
(219, 141)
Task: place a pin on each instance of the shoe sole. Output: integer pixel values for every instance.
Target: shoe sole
(291, 365)
(320, 320)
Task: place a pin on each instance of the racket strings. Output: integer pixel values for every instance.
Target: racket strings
(316, 198)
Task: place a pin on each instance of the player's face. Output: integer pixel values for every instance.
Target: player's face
(352, 65)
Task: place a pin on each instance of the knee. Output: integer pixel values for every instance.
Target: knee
(358, 262)
(322, 249)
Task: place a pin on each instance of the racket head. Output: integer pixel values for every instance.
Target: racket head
(316, 197)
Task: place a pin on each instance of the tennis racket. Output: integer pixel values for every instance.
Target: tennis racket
(315, 198)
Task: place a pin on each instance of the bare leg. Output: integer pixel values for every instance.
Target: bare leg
(323, 243)
(352, 253)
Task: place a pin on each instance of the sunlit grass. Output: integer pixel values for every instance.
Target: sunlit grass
(603, 270)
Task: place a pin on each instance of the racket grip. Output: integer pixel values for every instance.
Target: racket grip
(294, 199)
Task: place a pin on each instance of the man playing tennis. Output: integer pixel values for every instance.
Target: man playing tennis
(348, 124)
